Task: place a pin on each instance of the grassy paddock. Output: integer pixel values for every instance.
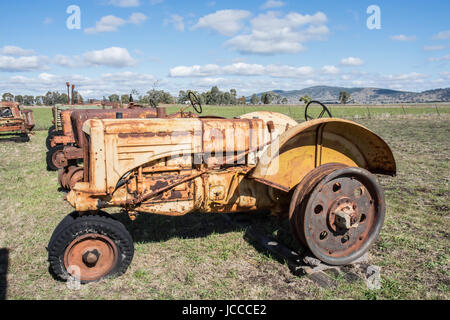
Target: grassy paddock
(43, 116)
(202, 256)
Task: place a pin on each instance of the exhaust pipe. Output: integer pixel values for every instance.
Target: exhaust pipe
(68, 92)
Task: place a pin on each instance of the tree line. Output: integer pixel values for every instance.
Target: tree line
(49, 99)
(212, 97)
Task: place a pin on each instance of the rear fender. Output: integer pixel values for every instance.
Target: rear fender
(314, 143)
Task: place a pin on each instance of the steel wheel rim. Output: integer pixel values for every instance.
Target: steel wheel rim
(333, 242)
(90, 257)
(58, 158)
(296, 209)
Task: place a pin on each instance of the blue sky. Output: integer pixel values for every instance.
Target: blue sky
(252, 46)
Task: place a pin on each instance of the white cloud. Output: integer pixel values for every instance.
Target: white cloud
(95, 87)
(125, 3)
(405, 76)
(433, 48)
(22, 64)
(106, 24)
(68, 62)
(137, 18)
(242, 69)
(272, 33)
(444, 58)
(15, 51)
(402, 37)
(272, 4)
(177, 21)
(330, 70)
(352, 61)
(112, 23)
(225, 22)
(443, 35)
(112, 57)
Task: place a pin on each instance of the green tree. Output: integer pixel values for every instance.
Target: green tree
(114, 98)
(125, 98)
(242, 100)
(7, 97)
(254, 99)
(28, 100)
(183, 97)
(226, 98)
(77, 98)
(233, 93)
(305, 99)
(61, 98)
(344, 97)
(39, 100)
(215, 96)
(159, 96)
(267, 97)
(284, 101)
(18, 99)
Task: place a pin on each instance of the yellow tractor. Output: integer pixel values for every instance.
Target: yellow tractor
(319, 174)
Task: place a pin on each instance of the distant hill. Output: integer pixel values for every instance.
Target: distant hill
(328, 94)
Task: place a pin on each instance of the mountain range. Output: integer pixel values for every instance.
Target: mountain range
(329, 94)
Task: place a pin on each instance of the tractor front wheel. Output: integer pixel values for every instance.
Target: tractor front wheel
(90, 248)
(56, 159)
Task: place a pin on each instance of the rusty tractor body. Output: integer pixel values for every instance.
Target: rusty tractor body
(13, 120)
(319, 174)
(67, 149)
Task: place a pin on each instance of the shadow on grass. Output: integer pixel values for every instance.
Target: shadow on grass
(4, 264)
(17, 138)
(156, 228)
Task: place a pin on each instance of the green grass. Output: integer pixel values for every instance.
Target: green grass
(202, 256)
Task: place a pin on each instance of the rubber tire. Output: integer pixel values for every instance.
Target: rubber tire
(52, 129)
(50, 165)
(74, 226)
(50, 136)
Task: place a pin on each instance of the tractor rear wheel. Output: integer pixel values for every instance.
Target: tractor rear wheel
(90, 248)
(337, 212)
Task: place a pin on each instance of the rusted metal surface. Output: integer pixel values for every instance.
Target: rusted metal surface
(69, 176)
(179, 164)
(71, 128)
(337, 213)
(90, 257)
(57, 109)
(14, 120)
(318, 142)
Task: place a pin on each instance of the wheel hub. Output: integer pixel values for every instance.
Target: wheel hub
(343, 215)
(90, 257)
(59, 159)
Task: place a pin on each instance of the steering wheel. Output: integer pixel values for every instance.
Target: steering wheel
(324, 109)
(195, 102)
